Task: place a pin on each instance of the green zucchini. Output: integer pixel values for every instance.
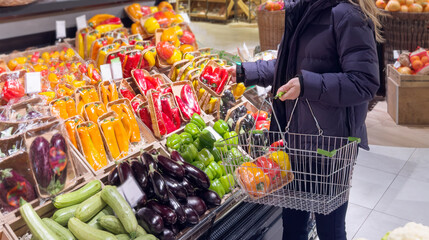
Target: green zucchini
(83, 231)
(61, 231)
(63, 215)
(146, 237)
(121, 208)
(90, 207)
(78, 196)
(140, 231)
(112, 224)
(94, 221)
(37, 227)
(123, 237)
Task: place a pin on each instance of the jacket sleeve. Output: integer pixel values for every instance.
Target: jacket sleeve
(259, 73)
(359, 79)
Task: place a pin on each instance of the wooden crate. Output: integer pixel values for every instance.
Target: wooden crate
(407, 97)
(4, 235)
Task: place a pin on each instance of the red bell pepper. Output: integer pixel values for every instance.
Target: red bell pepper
(187, 37)
(166, 108)
(82, 68)
(169, 125)
(35, 57)
(165, 50)
(223, 79)
(13, 89)
(135, 105)
(153, 82)
(127, 93)
(146, 10)
(114, 20)
(122, 57)
(261, 116)
(207, 75)
(163, 21)
(145, 117)
(2, 70)
(276, 145)
(263, 124)
(158, 113)
(133, 60)
(188, 98)
(176, 117)
(167, 90)
(270, 168)
(187, 112)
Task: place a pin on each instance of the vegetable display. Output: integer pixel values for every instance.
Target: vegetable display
(13, 187)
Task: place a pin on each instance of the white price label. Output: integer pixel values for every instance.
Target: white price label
(81, 22)
(106, 73)
(116, 70)
(33, 83)
(395, 54)
(60, 27)
(397, 64)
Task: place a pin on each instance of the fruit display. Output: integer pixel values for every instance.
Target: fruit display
(415, 63)
(412, 6)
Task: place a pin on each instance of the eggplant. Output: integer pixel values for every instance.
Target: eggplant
(14, 186)
(175, 205)
(211, 198)
(39, 154)
(176, 188)
(124, 171)
(191, 215)
(197, 204)
(168, 215)
(194, 174)
(175, 155)
(150, 220)
(154, 152)
(175, 229)
(113, 178)
(148, 161)
(158, 184)
(140, 173)
(170, 167)
(188, 186)
(143, 200)
(129, 186)
(58, 157)
(167, 234)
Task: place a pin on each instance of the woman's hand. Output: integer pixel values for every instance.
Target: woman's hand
(232, 71)
(291, 90)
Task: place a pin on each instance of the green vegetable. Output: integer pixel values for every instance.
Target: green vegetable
(205, 157)
(216, 169)
(234, 157)
(112, 224)
(61, 231)
(147, 237)
(386, 236)
(63, 215)
(121, 208)
(174, 141)
(198, 164)
(197, 144)
(90, 207)
(198, 120)
(216, 186)
(221, 146)
(192, 129)
(37, 227)
(221, 127)
(140, 231)
(209, 173)
(83, 231)
(227, 182)
(78, 196)
(94, 221)
(186, 138)
(231, 139)
(207, 139)
(223, 167)
(189, 152)
(216, 154)
(123, 237)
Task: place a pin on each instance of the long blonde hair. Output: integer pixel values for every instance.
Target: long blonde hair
(371, 11)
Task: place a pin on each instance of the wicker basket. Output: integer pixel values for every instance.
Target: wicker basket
(271, 27)
(404, 31)
(11, 3)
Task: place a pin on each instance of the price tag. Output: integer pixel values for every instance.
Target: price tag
(397, 64)
(106, 73)
(60, 27)
(33, 83)
(116, 69)
(186, 18)
(81, 22)
(395, 54)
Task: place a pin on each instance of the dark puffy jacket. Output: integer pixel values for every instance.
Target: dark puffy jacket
(332, 45)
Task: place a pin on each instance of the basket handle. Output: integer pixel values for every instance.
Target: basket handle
(312, 114)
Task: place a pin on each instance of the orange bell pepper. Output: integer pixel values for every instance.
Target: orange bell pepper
(95, 135)
(85, 96)
(134, 127)
(255, 181)
(121, 136)
(79, 107)
(91, 154)
(113, 92)
(71, 129)
(59, 109)
(93, 95)
(105, 94)
(109, 135)
(135, 10)
(91, 113)
(117, 109)
(71, 107)
(100, 109)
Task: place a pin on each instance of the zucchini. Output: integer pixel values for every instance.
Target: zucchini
(123, 237)
(78, 196)
(90, 207)
(121, 208)
(61, 231)
(140, 231)
(37, 227)
(83, 231)
(63, 215)
(112, 224)
(146, 237)
(94, 221)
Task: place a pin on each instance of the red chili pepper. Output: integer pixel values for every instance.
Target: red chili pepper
(132, 62)
(176, 117)
(169, 125)
(167, 90)
(96, 75)
(145, 117)
(13, 89)
(276, 145)
(205, 76)
(127, 93)
(153, 82)
(165, 105)
(187, 112)
(188, 98)
(224, 79)
(263, 124)
(114, 20)
(270, 168)
(158, 113)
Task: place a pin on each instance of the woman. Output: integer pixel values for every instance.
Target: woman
(327, 56)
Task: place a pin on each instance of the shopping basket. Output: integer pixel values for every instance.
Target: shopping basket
(312, 172)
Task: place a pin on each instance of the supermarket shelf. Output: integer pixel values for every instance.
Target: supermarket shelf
(198, 15)
(217, 1)
(217, 17)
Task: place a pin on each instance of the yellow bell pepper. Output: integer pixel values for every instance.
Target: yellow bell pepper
(108, 27)
(48, 95)
(97, 19)
(45, 57)
(150, 25)
(188, 56)
(136, 28)
(169, 35)
(177, 56)
(238, 90)
(201, 92)
(90, 38)
(154, 9)
(282, 159)
(212, 104)
(149, 56)
(78, 84)
(53, 79)
(40, 67)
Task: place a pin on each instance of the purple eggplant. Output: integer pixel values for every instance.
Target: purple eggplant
(175, 205)
(174, 228)
(191, 215)
(167, 234)
(188, 186)
(197, 204)
(129, 186)
(143, 200)
(175, 155)
(168, 215)
(113, 178)
(150, 220)
(154, 152)
(140, 173)
(124, 171)
(211, 198)
(148, 161)
(58, 157)
(14, 186)
(176, 188)
(39, 154)
(192, 173)
(158, 184)
(170, 167)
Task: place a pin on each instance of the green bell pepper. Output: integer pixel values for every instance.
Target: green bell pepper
(217, 186)
(223, 167)
(227, 182)
(231, 139)
(221, 146)
(205, 157)
(189, 152)
(198, 120)
(197, 144)
(235, 157)
(198, 164)
(221, 127)
(209, 173)
(174, 141)
(207, 139)
(192, 129)
(216, 169)
(216, 154)
(186, 138)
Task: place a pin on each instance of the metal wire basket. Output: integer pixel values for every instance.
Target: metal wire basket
(311, 172)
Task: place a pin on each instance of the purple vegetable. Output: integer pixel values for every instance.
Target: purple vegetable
(175, 205)
(150, 220)
(167, 234)
(168, 215)
(176, 188)
(13, 186)
(113, 178)
(58, 157)
(129, 186)
(148, 161)
(140, 173)
(170, 167)
(210, 197)
(188, 186)
(191, 215)
(39, 154)
(197, 204)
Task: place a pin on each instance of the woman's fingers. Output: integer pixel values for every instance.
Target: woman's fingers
(291, 90)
